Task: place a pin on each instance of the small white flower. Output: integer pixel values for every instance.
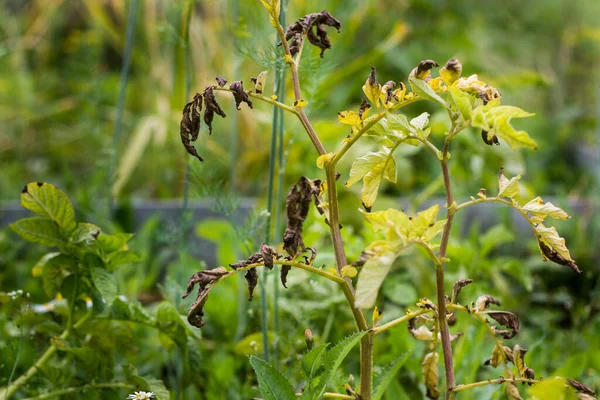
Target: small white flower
(141, 396)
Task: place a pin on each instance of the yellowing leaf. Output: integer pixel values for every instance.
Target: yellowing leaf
(430, 374)
(48, 201)
(349, 118)
(462, 102)
(349, 271)
(259, 82)
(371, 168)
(300, 103)
(553, 388)
(496, 120)
(551, 238)
(323, 159)
(371, 277)
(512, 392)
(508, 188)
(372, 88)
(273, 8)
(538, 208)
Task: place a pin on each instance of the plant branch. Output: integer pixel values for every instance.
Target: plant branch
(337, 396)
(439, 271)
(397, 321)
(264, 99)
(71, 390)
(33, 370)
(496, 200)
(468, 386)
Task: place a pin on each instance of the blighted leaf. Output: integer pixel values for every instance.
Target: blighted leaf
(211, 107)
(519, 359)
(221, 81)
(371, 168)
(457, 288)
(495, 120)
(508, 188)
(252, 279)
(451, 71)
(419, 333)
(259, 82)
(387, 95)
(364, 109)
(497, 357)
(423, 70)
(48, 201)
(553, 247)
(204, 279)
(538, 208)
(430, 375)
(239, 95)
(285, 269)
(580, 387)
(489, 138)
(512, 392)
(189, 127)
(400, 93)
(506, 319)
(313, 26)
(297, 207)
(372, 88)
(483, 302)
(371, 278)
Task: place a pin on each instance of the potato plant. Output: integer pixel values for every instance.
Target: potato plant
(469, 103)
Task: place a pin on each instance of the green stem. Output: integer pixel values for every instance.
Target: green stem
(400, 320)
(33, 370)
(337, 396)
(71, 390)
(467, 386)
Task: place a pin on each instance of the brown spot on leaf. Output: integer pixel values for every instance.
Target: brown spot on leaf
(313, 26)
(40, 184)
(364, 107)
(554, 256)
(490, 141)
(24, 189)
(239, 95)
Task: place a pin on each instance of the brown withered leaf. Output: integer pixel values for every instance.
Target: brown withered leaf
(506, 319)
(493, 140)
(239, 95)
(362, 259)
(297, 207)
(204, 279)
(189, 128)
(211, 107)
(519, 360)
(554, 256)
(580, 387)
(512, 392)
(285, 269)
(457, 288)
(252, 279)
(268, 255)
(364, 107)
(421, 71)
(313, 26)
(483, 302)
(221, 81)
(388, 88)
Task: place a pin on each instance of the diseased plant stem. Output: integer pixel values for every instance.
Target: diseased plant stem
(439, 274)
(467, 386)
(71, 390)
(33, 370)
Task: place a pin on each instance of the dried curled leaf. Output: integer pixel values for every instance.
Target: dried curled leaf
(506, 319)
(268, 254)
(457, 288)
(259, 82)
(313, 26)
(239, 95)
(498, 354)
(483, 302)
(365, 107)
(489, 139)
(553, 247)
(430, 375)
(519, 361)
(451, 71)
(512, 392)
(285, 269)
(189, 127)
(204, 279)
(372, 88)
(387, 93)
(580, 387)
(252, 279)
(221, 81)
(297, 206)
(423, 70)
(211, 107)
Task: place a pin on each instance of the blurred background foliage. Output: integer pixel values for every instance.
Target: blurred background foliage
(60, 75)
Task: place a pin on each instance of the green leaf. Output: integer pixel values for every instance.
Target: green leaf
(123, 257)
(371, 277)
(508, 188)
(312, 363)
(85, 233)
(552, 388)
(46, 200)
(146, 383)
(39, 230)
(493, 237)
(106, 284)
(462, 102)
(398, 122)
(383, 379)
(371, 168)
(420, 87)
(334, 358)
(271, 383)
(112, 243)
(52, 274)
(157, 387)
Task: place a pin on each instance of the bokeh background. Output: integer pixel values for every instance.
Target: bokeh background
(72, 114)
